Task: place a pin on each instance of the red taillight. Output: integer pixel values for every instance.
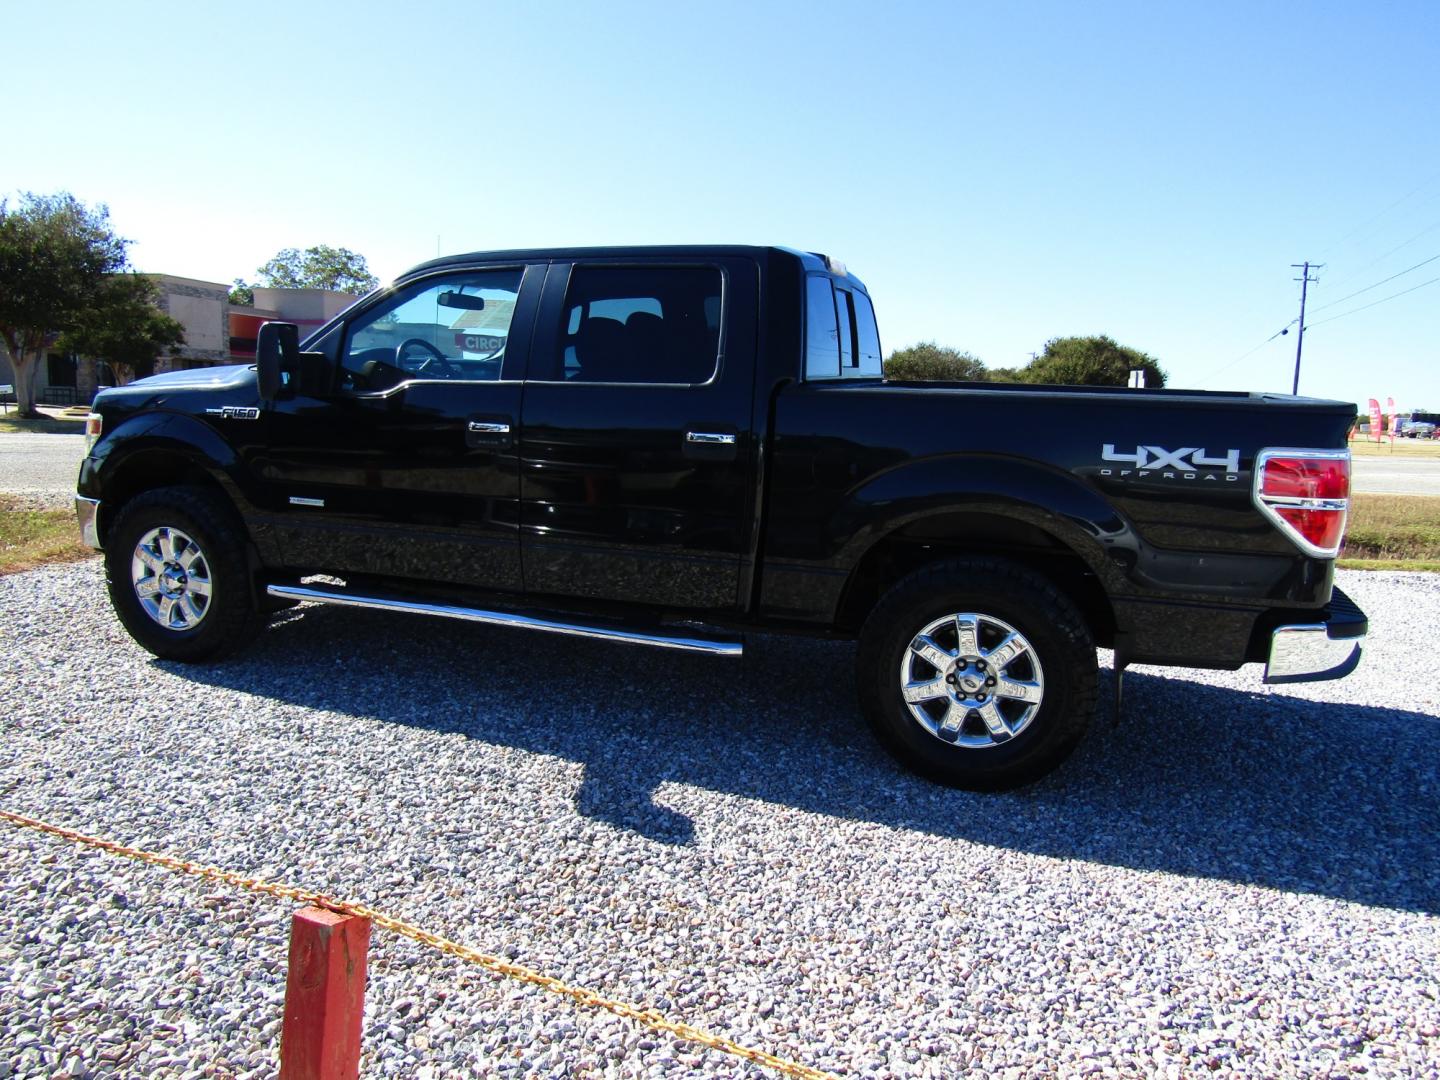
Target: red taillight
(1298, 477)
(1306, 493)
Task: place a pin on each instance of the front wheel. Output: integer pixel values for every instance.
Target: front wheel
(977, 673)
(178, 577)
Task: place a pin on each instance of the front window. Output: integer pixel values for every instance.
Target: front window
(453, 327)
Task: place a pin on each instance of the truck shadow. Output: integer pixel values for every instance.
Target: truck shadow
(1255, 788)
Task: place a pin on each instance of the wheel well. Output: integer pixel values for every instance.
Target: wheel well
(146, 470)
(948, 535)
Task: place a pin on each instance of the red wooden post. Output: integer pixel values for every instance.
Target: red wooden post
(324, 996)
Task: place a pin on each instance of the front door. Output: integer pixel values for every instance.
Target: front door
(636, 457)
(407, 467)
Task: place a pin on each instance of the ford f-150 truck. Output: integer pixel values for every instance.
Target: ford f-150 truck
(673, 446)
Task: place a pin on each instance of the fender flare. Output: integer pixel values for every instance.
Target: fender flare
(173, 435)
(1045, 498)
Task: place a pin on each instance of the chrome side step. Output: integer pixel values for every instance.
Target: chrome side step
(663, 638)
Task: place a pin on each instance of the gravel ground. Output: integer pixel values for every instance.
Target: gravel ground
(41, 468)
(1233, 880)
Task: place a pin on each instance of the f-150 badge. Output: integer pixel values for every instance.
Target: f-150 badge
(236, 412)
(1187, 463)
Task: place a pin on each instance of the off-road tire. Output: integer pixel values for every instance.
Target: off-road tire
(999, 590)
(232, 614)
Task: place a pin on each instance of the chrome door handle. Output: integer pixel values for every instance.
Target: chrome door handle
(482, 427)
(710, 438)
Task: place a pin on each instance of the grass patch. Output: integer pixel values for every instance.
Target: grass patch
(1392, 532)
(46, 425)
(1426, 448)
(30, 538)
(1388, 564)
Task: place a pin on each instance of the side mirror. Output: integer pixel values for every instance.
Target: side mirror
(277, 350)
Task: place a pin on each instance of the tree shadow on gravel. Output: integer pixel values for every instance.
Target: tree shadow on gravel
(1257, 788)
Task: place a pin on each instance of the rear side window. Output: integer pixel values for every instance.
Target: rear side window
(627, 324)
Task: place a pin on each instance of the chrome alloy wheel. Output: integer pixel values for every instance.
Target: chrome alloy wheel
(972, 680)
(171, 577)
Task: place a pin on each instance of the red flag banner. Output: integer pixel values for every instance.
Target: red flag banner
(1376, 421)
(1394, 420)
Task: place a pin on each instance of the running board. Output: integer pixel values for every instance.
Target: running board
(661, 637)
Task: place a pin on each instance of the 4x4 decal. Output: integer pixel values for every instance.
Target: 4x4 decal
(1187, 463)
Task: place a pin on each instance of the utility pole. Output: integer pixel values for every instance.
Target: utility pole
(1305, 279)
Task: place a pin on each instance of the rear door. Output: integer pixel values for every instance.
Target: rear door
(636, 461)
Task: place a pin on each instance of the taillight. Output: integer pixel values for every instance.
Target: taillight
(1307, 494)
(93, 424)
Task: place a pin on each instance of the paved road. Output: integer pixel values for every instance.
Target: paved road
(45, 466)
(1397, 475)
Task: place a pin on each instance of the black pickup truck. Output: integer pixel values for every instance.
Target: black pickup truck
(672, 446)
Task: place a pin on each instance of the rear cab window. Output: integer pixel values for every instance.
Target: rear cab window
(841, 338)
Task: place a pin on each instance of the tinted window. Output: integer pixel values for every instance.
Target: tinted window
(840, 337)
(822, 333)
(453, 327)
(847, 336)
(867, 336)
(627, 324)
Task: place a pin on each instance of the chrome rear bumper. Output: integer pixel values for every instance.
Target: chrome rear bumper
(87, 511)
(1313, 652)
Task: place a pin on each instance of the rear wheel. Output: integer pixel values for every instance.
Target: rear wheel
(977, 673)
(178, 577)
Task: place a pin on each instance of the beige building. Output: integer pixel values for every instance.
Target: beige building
(216, 332)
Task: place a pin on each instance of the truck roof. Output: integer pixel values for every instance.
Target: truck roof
(809, 260)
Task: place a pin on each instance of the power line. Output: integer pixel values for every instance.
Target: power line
(1377, 284)
(1245, 356)
(1371, 221)
(1381, 258)
(1307, 267)
(1376, 303)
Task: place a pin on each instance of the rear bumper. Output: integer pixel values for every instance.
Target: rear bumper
(87, 511)
(1316, 651)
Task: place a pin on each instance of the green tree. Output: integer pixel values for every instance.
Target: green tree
(241, 294)
(124, 326)
(56, 255)
(1090, 361)
(319, 267)
(929, 362)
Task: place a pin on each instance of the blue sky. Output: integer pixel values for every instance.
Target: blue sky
(998, 174)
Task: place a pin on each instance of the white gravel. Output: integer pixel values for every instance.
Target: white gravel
(1233, 881)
